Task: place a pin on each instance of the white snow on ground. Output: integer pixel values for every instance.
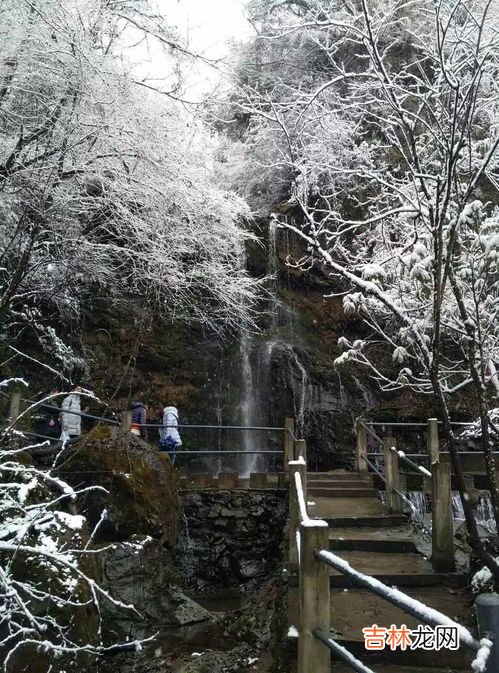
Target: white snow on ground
(482, 579)
(72, 521)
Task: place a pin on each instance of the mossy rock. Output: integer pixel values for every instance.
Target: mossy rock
(137, 487)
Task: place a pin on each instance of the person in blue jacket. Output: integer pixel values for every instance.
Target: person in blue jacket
(138, 419)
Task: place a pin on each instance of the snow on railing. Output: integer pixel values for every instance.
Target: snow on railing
(401, 600)
(302, 503)
(482, 656)
(399, 493)
(310, 536)
(341, 652)
(391, 487)
(410, 462)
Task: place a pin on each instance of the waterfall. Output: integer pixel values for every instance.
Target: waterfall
(271, 365)
(420, 502)
(457, 507)
(256, 400)
(485, 513)
(367, 395)
(273, 264)
(248, 406)
(300, 391)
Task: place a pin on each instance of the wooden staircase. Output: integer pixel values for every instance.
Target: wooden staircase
(378, 543)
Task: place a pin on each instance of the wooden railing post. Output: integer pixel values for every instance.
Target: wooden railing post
(126, 420)
(432, 440)
(442, 529)
(315, 607)
(361, 446)
(294, 508)
(300, 449)
(289, 439)
(433, 450)
(392, 475)
(14, 405)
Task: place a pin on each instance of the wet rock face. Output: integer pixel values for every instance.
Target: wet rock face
(140, 572)
(230, 538)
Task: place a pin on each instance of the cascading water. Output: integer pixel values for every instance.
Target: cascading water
(485, 513)
(189, 555)
(420, 502)
(457, 506)
(299, 386)
(256, 363)
(247, 405)
(257, 360)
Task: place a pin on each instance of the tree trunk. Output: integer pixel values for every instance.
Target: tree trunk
(490, 466)
(473, 535)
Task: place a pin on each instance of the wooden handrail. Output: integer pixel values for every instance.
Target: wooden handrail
(437, 483)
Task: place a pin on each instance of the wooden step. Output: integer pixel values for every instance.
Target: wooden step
(393, 568)
(335, 480)
(336, 492)
(396, 539)
(353, 513)
(379, 521)
(325, 483)
(406, 569)
(339, 667)
(343, 477)
(354, 609)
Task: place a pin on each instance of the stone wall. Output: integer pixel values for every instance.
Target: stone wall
(230, 538)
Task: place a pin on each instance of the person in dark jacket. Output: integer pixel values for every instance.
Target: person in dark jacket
(138, 419)
(46, 418)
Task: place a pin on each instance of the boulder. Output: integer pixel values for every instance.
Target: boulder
(139, 487)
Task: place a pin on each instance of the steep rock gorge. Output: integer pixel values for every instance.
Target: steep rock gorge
(285, 369)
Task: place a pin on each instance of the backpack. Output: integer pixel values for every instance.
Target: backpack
(166, 444)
